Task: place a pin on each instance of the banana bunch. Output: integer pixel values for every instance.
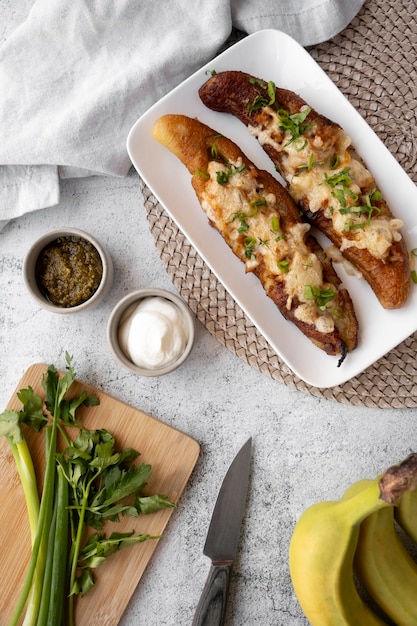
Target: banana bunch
(336, 542)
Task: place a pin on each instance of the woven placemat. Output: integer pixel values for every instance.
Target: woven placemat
(374, 63)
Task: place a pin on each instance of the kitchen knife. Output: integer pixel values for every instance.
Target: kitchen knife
(223, 539)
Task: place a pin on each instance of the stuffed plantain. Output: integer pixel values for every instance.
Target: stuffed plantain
(325, 176)
(260, 222)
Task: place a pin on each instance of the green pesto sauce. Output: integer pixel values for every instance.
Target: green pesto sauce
(69, 271)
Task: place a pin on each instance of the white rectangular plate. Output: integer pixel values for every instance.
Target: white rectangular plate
(272, 55)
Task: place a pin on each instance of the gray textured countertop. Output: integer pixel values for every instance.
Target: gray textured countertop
(305, 449)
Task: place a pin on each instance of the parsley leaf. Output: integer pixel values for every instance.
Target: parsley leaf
(293, 123)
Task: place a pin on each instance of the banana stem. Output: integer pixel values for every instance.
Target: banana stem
(398, 480)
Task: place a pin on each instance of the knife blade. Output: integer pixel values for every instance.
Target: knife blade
(223, 539)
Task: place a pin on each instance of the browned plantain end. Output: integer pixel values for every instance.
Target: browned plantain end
(260, 222)
(325, 176)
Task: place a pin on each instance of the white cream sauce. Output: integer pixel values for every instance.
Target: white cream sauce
(153, 334)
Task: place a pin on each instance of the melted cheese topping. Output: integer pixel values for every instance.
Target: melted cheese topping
(244, 215)
(304, 163)
(336, 256)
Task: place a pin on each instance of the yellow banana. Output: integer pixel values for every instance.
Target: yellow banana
(383, 565)
(321, 560)
(406, 514)
(323, 546)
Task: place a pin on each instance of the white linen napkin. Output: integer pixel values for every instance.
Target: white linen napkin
(76, 75)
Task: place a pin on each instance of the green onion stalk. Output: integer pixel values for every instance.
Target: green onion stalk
(24, 465)
(40, 510)
(33, 581)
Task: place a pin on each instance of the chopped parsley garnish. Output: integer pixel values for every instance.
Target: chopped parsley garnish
(257, 202)
(293, 123)
(340, 178)
(342, 194)
(340, 183)
(366, 209)
(223, 177)
(257, 81)
(249, 243)
(320, 296)
(261, 101)
(241, 216)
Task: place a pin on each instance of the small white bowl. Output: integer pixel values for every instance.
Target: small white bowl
(117, 317)
(33, 285)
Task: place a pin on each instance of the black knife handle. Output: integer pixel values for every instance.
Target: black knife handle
(211, 608)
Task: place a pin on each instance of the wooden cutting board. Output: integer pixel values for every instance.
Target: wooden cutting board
(172, 455)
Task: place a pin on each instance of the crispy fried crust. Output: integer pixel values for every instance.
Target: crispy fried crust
(200, 148)
(237, 93)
